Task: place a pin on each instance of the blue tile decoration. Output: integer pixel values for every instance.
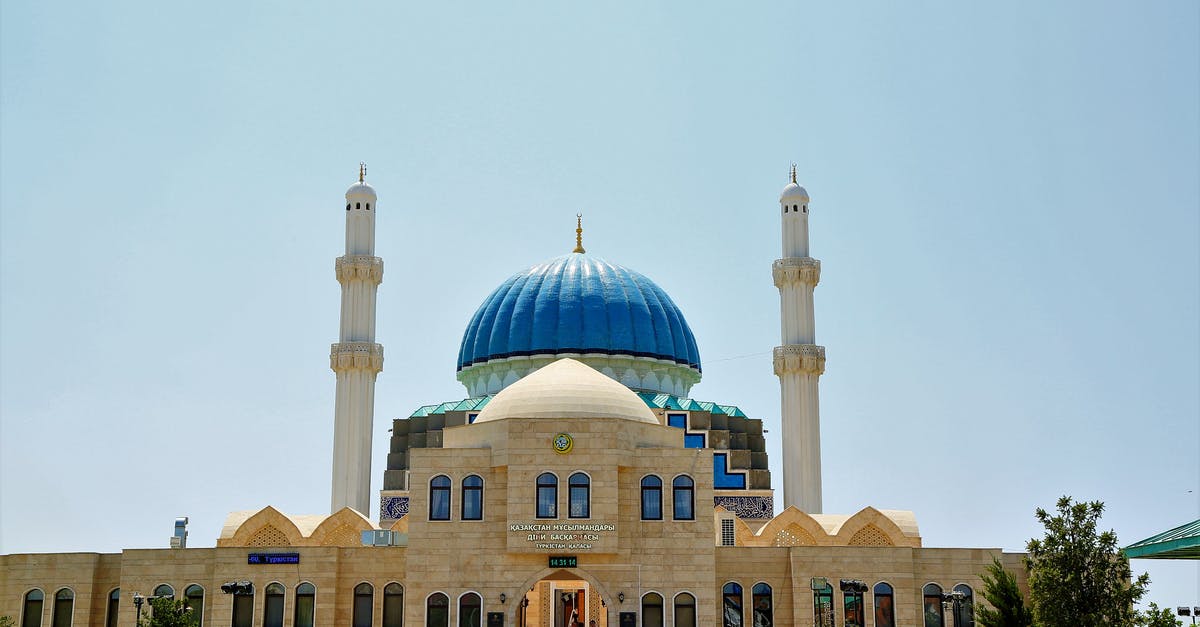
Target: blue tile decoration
(393, 507)
(754, 507)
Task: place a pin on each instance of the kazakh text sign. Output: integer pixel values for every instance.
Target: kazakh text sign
(557, 536)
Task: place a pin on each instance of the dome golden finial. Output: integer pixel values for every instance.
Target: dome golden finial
(579, 234)
(362, 171)
(794, 173)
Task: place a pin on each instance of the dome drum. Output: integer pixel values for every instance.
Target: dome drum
(637, 373)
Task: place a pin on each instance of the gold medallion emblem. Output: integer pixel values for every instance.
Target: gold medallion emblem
(563, 443)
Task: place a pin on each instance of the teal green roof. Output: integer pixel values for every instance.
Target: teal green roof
(652, 400)
(1182, 542)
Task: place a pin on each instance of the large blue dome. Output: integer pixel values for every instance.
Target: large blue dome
(578, 304)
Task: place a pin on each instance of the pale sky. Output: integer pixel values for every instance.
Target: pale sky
(1005, 201)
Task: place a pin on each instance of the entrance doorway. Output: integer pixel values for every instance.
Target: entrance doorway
(562, 600)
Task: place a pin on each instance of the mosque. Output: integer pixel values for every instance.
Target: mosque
(578, 483)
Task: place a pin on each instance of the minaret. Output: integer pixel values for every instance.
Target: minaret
(799, 362)
(356, 358)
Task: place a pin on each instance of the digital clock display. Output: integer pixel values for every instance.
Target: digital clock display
(563, 561)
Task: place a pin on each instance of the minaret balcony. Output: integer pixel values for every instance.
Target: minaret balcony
(347, 356)
(792, 271)
(359, 268)
(799, 359)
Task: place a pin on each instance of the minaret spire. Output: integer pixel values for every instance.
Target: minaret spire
(356, 358)
(579, 234)
(799, 362)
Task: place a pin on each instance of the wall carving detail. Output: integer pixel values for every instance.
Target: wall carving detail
(871, 536)
(794, 535)
(269, 535)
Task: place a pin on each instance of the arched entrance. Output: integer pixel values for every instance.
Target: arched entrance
(562, 598)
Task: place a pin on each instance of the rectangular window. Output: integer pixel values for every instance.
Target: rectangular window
(677, 420)
(727, 534)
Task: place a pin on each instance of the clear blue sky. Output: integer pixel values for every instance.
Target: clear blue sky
(1005, 203)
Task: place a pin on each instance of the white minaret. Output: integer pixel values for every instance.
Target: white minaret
(356, 358)
(799, 362)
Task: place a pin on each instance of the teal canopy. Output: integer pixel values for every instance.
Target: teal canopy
(1180, 543)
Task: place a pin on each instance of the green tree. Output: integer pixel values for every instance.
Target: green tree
(167, 612)
(1155, 617)
(1078, 576)
(7, 621)
(1007, 604)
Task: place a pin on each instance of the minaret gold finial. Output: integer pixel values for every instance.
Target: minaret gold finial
(362, 171)
(579, 234)
(794, 173)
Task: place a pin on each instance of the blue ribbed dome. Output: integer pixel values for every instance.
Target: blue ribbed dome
(578, 304)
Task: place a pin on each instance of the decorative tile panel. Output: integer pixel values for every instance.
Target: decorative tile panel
(752, 507)
(393, 507)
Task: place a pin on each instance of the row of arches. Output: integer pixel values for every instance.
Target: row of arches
(683, 610)
(683, 498)
(733, 609)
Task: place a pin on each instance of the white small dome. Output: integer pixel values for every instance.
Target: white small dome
(793, 191)
(567, 389)
(360, 190)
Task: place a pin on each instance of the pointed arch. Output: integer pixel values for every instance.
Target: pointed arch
(870, 527)
(267, 527)
(788, 525)
(343, 528)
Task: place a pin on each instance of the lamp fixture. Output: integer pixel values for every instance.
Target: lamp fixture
(503, 598)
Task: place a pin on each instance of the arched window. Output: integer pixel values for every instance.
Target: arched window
(651, 498)
(437, 610)
(347, 206)
(683, 491)
(932, 601)
(31, 613)
(439, 498)
(273, 605)
(470, 610)
(64, 607)
(854, 613)
(964, 608)
(472, 498)
(114, 606)
(652, 610)
(823, 606)
(763, 604)
(243, 608)
(364, 601)
(306, 603)
(579, 496)
(731, 606)
(193, 597)
(685, 610)
(368, 206)
(393, 605)
(358, 205)
(885, 606)
(547, 495)
(164, 591)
